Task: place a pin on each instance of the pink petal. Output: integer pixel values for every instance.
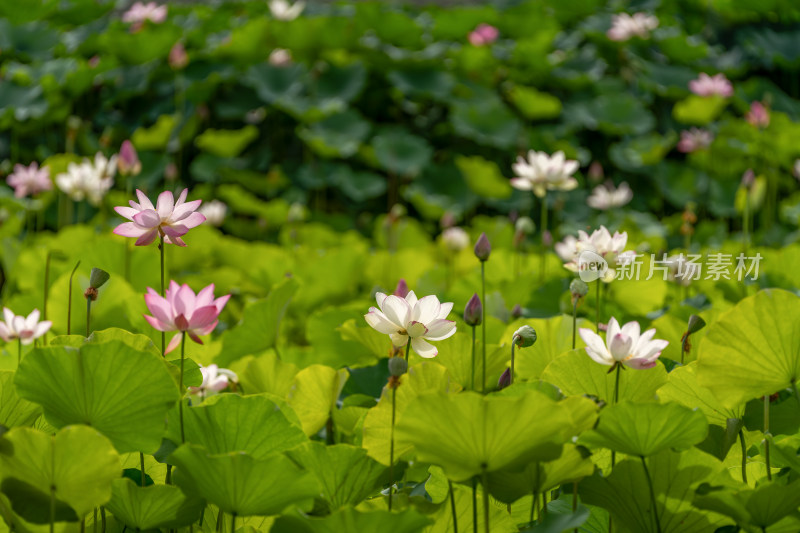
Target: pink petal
(193, 220)
(184, 301)
(129, 229)
(175, 231)
(126, 212)
(159, 306)
(157, 324)
(147, 218)
(144, 201)
(182, 211)
(221, 301)
(205, 296)
(203, 316)
(164, 205)
(173, 343)
(147, 238)
(194, 337)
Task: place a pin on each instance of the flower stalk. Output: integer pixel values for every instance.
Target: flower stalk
(69, 299)
(766, 436)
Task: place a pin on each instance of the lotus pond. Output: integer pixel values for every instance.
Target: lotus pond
(364, 267)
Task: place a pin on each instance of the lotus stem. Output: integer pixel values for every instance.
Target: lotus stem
(474, 504)
(141, 464)
(652, 495)
(391, 446)
(408, 349)
(19, 352)
(483, 324)
(543, 256)
(180, 386)
(472, 374)
(453, 506)
(796, 393)
(597, 311)
(513, 344)
(88, 315)
(574, 321)
(744, 456)
(69, 299)
(766, 435)
(46, 290)
(163, 333)
(485, 483)
(233, 523)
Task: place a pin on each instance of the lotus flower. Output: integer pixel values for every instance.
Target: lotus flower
(609, 247)
(169, 218)
(182, 311)
(214, 211)
(567, 250)
(178, 58)
(284, 10)
(624, 26)
(26, 329)
(695, 139)
(215, 379)
(455, 239)
(717, 85)
(88, 180)
(758, 115)
(140, 12)
(482, 35)
(624, 345)
(280, 57)
(541, 173)
(29, 180)
(408, 318)
(606, 197)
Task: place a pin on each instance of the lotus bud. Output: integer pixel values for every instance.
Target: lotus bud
(397, 366)
(402, 288)
(448, 220)
(578, 288)
(473, 313)
(128, 162)
(524, 337)
(178, 58)
(483, 248)
(505, 380)
(547, 239)
(748, 178)
(596, 171)
(516, 311)
(695, 324)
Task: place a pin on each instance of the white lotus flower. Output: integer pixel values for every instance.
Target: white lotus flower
(284, 10)
(420, 320)
(624, 26)
(214, 211)
(609, 247)
(215, 379)
(455, 239)
(624, 345)
(605, 197)
(567, 250)
(541, 173)
(24, 328)
(88, 180)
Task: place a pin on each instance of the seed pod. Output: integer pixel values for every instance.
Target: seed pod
(397, 366)
(524, 337)
(98, 278)
(695, 324)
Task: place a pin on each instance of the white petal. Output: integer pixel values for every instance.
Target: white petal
(440, 329)
(444, 310)
(426, 310)
(397, 310)
(379, 322)
(411, 298)
(398, 339)
(595, 347)
(613, 329)
(424, 349)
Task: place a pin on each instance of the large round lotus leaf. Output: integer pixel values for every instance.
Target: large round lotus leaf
(554, 338)
(456, 356)
(499, 519)
(266, 373)
(428, 377)
(120, 391)
(152, 507)
(314, 393)
(349, 519)
(14, 411)
(510, 485)
(625, 493)
(78, 464)
(240, 484)
(760, 507)
(753, 349)
(233, 423)
(644, 429)
(401, 153)
(468, 433)
(575, 373)
(347, 476)
(682, 388)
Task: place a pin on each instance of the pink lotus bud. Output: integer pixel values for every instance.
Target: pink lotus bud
(473, 313)
(128, 162)
(402, 288)
(483, 248)
(482, 35)
(758, 115)
(178, 58)
(448, 220)
(505, 380)
(748, 178)
(595, 171)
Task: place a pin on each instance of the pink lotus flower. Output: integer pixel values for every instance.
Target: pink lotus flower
(178, 58)
(482, 35)
(624, 26)
(706, 85)
(695, 139)
(624, 346)
(128, 162)
(26, 329)
(758, 115)
(140, 12)
(169, 218)
(29, 180)
(182, 311)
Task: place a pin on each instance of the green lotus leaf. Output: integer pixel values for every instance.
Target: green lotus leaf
(760, 507)
(350, 519)
(644, 429)
(226, 143)
(576, 373)
(152, 507)
(240, 484)
(753, 349)
(682, 387)
(120, 391)
(467, 433)
(313, 395)
(554, 338)
(75, 467)
(15, 411)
